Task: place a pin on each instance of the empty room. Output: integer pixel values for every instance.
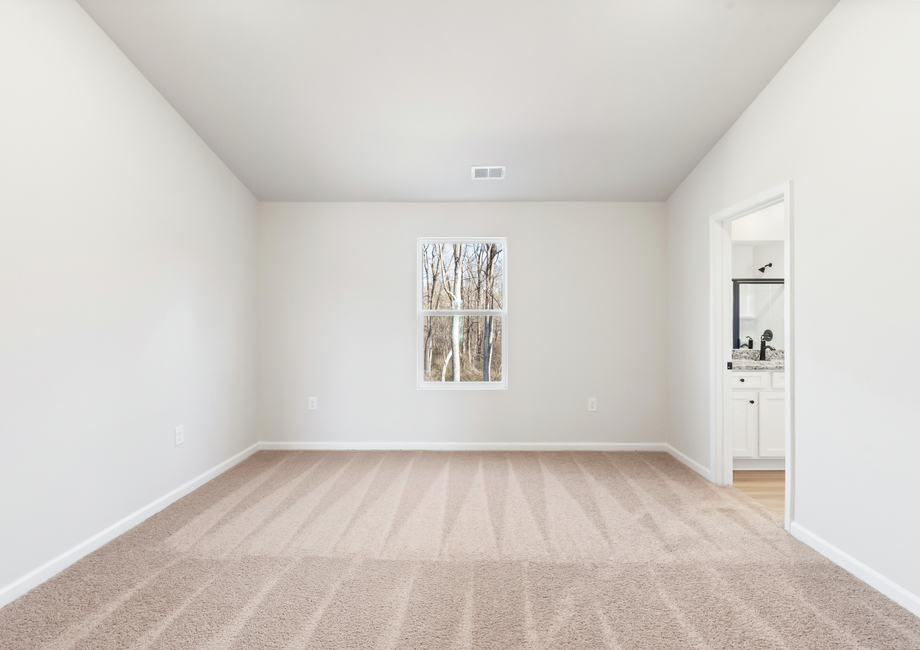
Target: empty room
(481, 325)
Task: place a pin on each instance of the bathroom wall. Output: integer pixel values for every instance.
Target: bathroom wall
(763, 225)
(747, 260)
(742, 261)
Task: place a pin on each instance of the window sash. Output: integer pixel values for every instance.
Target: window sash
(461, 240)
(463, 312)
(423, 313)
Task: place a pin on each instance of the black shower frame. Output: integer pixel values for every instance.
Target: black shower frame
(736, 308)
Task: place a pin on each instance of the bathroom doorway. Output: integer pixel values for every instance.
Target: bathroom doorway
(752, 380)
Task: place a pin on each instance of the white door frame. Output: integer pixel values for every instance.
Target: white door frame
(720, 294)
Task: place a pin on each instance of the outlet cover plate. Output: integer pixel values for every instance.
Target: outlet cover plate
(592, 404)
(311, 403)
(180, 435)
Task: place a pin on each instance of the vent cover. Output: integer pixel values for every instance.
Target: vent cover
(487, 173)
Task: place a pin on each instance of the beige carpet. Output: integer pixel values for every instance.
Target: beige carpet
(458, 550)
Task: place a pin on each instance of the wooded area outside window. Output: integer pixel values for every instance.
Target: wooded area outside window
(462, 313)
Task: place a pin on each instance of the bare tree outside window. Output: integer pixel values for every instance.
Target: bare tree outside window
(462, 310)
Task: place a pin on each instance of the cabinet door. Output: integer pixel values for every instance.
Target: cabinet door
(744, 423)
(772, 439)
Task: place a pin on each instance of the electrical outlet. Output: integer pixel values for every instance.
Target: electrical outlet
(592, 403)
(311, 403)
(180, 435)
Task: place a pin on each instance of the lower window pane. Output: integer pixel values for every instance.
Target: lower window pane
(464, 348)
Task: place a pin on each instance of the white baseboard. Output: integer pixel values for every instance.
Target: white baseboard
(492, 446)
(467, 446)
(18, 587)
(689, 462)
(897, 593)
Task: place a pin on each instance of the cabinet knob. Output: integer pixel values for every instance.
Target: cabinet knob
(752, 401)
(742, 380)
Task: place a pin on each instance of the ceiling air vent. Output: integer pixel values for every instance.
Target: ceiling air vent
(487, 173)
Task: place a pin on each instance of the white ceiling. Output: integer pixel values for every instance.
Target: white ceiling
(356, 100)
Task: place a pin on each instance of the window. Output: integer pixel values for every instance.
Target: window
(462, 313)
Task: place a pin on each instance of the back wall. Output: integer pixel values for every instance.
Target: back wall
(337, 320)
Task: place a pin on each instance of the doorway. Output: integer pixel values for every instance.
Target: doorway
(727, 413)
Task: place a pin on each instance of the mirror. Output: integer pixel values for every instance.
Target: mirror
(758, 311)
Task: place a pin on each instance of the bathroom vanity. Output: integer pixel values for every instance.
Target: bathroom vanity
(758, 409)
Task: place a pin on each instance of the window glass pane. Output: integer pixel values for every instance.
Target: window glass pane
(462, 276)
(475, 338)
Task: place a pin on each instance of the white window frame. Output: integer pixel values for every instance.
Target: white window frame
(422, 313)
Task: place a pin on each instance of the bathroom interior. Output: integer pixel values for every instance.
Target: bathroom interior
(758, 356)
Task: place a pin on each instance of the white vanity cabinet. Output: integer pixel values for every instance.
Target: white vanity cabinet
(771, 424)
(758, 415)
(744, 423)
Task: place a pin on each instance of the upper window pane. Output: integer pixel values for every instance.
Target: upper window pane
(462, 276)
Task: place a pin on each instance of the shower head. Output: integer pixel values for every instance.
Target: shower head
(763, 269)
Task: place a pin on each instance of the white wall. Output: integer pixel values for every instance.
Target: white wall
(337, 285)
(840, 120)
(742, 261)
(127, 277)
(746, 260)
(766, 224)
(773, 253)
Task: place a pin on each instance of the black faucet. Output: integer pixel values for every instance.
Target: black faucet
(750, 343)
(763, 349)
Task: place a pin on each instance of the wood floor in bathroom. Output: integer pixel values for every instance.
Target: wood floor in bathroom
(764, 486)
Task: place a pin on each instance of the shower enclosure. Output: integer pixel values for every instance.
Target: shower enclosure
(758, 306)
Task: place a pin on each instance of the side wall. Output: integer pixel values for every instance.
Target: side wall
(127, 286)
(337, 291)
(840, 121)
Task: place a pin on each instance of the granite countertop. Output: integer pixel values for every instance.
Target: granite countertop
(745, 360)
